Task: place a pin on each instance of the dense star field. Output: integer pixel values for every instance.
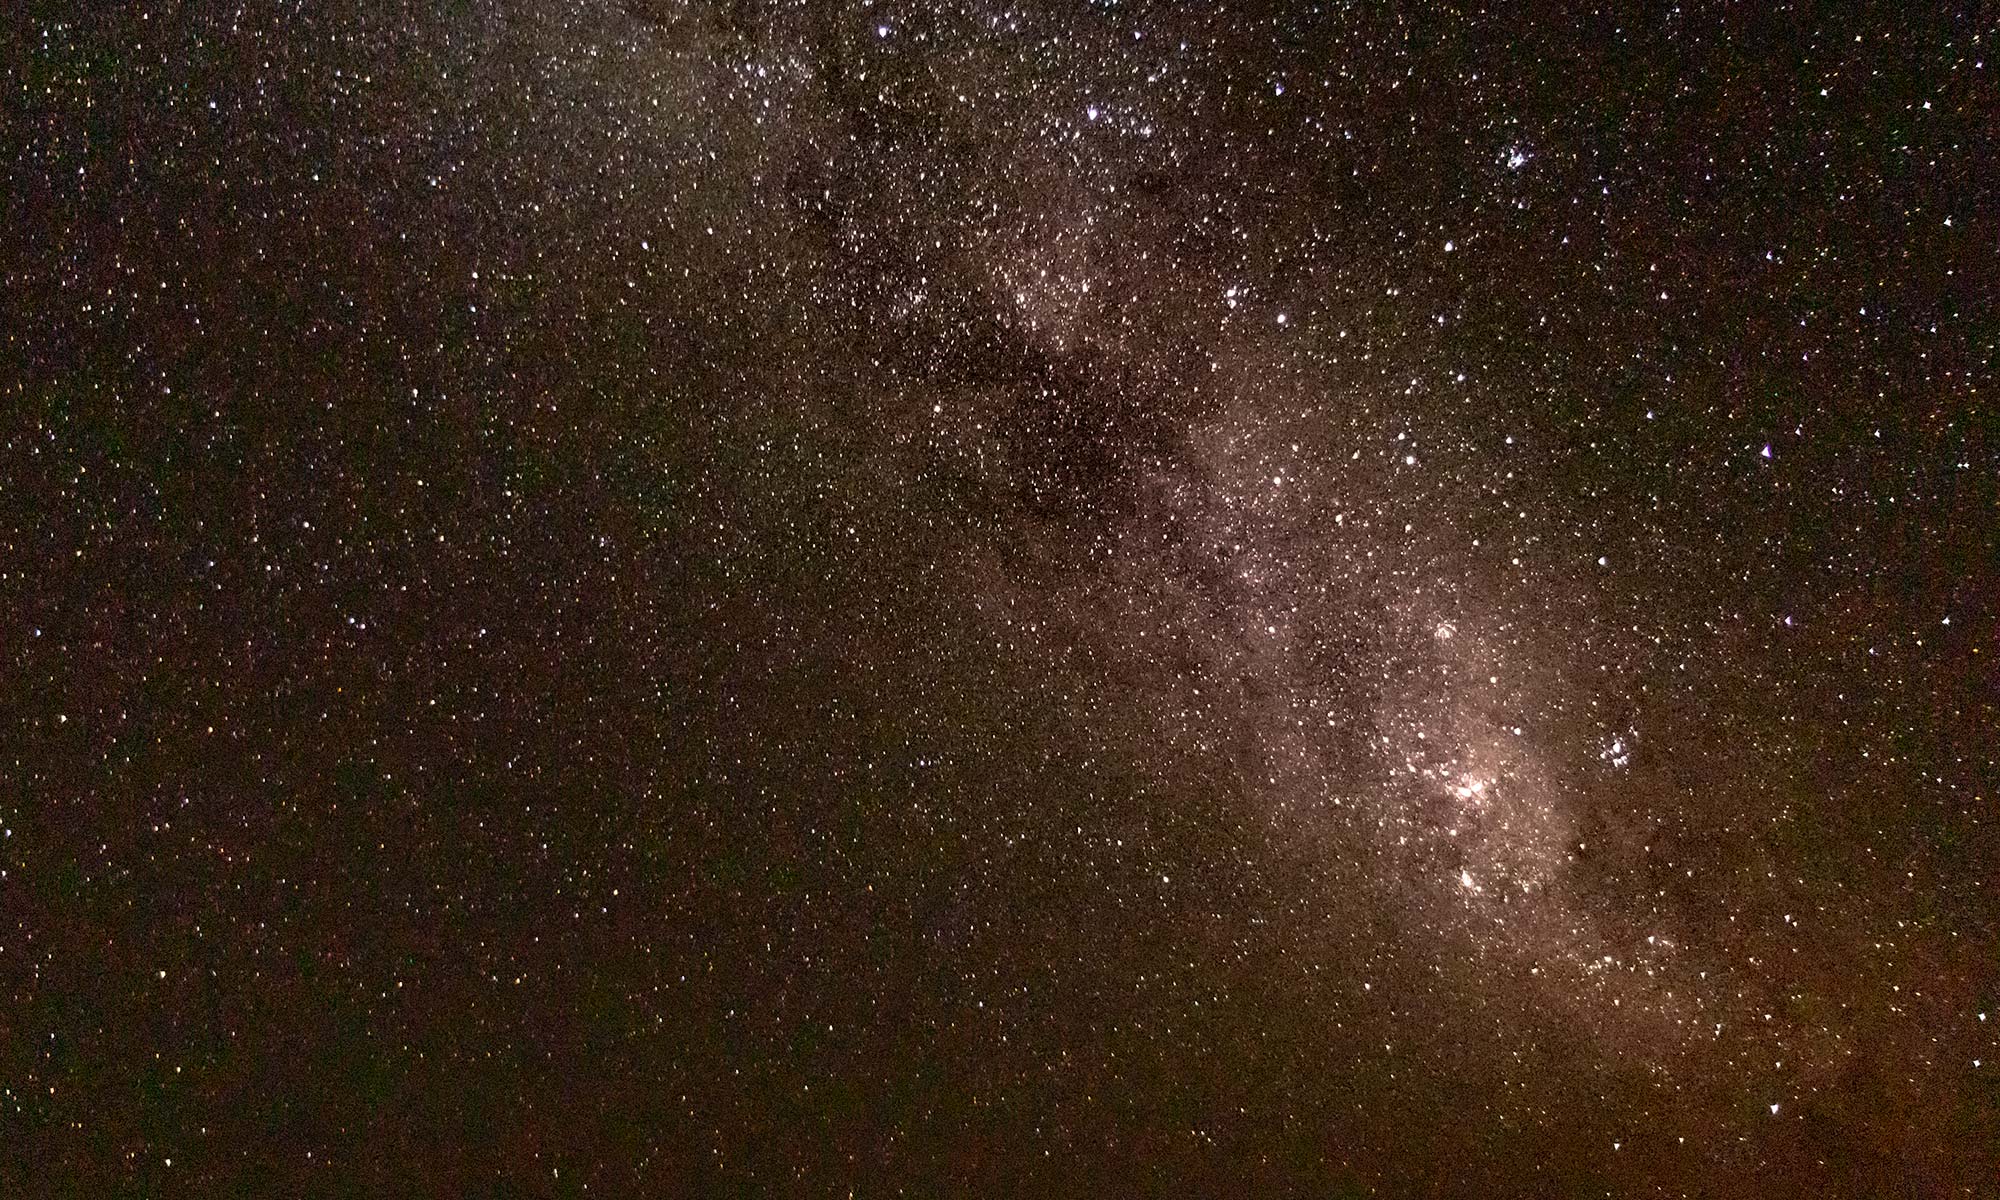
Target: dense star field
(632, 597)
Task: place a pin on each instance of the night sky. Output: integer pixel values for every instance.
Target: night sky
(633, 597)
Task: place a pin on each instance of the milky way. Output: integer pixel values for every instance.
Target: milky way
(657, 598)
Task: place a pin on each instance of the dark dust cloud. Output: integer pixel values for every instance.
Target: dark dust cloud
(804, 598)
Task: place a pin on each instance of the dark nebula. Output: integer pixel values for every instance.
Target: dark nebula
(641, 597)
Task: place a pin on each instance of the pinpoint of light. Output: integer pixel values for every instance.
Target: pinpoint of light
(1465, 880)
(1767, 450)
(1774, 1110)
